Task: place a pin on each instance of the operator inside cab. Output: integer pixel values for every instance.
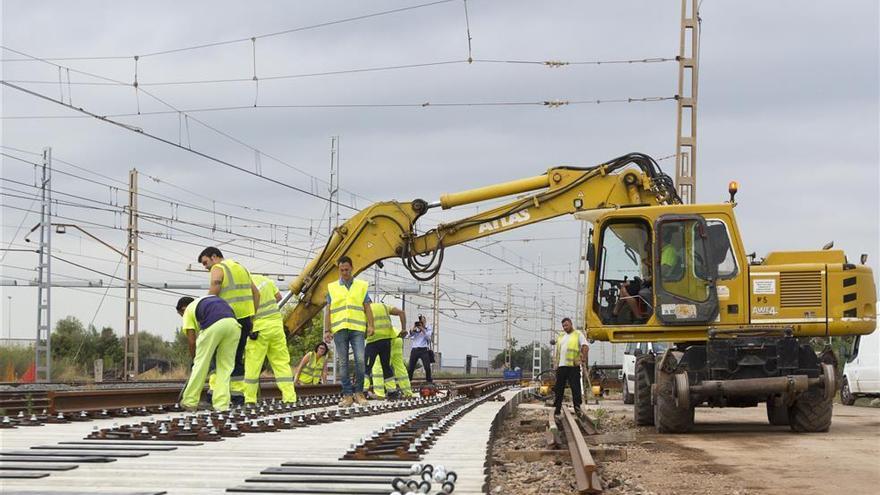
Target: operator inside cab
(635, 302)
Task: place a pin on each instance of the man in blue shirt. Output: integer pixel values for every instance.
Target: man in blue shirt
(421, 348)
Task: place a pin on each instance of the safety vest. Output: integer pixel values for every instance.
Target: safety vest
(381, 323)
(314, 367)
(236, 288)
(572, 348)
(268, 312)
(347, 306)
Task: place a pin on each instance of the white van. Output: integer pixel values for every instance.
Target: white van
(630, 353)
(861, 373)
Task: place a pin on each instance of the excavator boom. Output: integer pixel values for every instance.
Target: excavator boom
(387, 229)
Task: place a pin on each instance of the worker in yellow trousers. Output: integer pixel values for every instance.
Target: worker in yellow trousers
(401, 374)
(267, 341)
(312, 368)
(378, 348)
(397, 383)
(212, 330)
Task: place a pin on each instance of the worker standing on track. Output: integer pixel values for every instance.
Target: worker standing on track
(212, 330)
(347, 319)
(379, 346)
(312, 369)
(571, 352)
(232, 282)
(270, 342)
(400, 380)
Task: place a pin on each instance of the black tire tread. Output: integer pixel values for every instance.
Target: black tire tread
(668, 417)
(643, 410)
(811, 412)
(628, 398)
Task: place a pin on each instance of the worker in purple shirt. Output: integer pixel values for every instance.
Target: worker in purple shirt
(421, 347)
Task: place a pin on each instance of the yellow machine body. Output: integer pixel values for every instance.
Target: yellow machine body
(811, 293)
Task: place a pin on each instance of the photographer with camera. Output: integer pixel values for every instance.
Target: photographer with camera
(421, 348)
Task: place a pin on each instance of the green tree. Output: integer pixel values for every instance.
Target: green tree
(307, 339)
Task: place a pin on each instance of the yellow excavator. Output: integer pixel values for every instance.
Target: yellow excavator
(659, 271)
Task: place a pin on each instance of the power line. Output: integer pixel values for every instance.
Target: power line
(170, 143)
(249, 38)
(554, 103)
(174, 109)
(359, 70)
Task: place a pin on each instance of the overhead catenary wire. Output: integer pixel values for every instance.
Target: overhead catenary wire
(174, 109)
(248, 38)
(170, 143)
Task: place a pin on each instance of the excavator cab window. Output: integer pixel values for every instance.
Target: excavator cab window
(688, 263)
(623, 293)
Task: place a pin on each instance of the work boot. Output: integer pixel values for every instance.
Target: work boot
(360, 399)
(346, 401)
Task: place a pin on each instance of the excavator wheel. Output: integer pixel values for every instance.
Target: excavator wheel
(777, 415)
(643, 410)
(811, 412)
(669, 415)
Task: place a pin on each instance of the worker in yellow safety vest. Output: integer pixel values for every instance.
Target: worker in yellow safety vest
(349, 320)
(270, 342)
(379, 346)
(232, 282)
(571, 352)
(212, 331)
(312, 368)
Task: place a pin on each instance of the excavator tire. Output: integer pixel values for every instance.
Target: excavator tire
(643, 409)
(777, 415)
(668, 416)
(811, 412)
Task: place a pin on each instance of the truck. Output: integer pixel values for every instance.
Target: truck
(659, 270)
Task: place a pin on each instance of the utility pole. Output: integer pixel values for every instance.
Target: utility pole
(552, 331)
(131, 361)
(507, 333)
(436, 313)
(333, 210)
(581, 275)
(43, 344)
(332, 223)
(686, 128)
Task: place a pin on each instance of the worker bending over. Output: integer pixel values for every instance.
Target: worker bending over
(267, 341)
(348, 318)
(312, 368)
(232, 282)
(400, 380)
(210, 325)
(379, 346)
(571, 352)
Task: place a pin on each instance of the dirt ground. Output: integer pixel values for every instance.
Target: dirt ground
(731, 451)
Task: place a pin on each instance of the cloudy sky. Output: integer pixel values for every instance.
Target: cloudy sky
(788, 107)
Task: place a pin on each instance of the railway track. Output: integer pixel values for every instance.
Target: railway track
(434, 445)
(33, 407)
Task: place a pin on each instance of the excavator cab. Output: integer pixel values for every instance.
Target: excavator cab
(656, 271)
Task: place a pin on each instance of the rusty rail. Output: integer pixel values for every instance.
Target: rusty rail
(584, 466)
(74, 401)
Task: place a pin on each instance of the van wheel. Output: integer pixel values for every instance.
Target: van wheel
(627, 396)
(643, 410)
(846, 395)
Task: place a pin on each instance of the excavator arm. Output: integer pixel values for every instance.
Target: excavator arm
(387, 229)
